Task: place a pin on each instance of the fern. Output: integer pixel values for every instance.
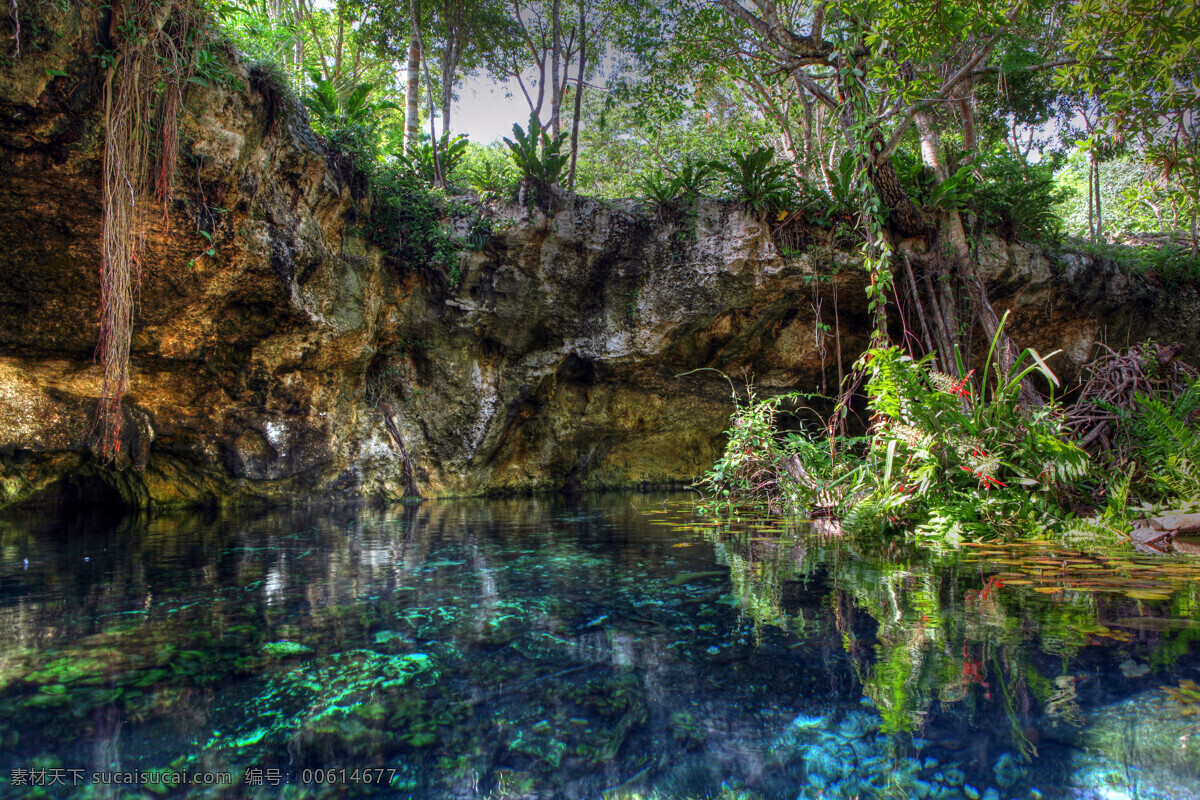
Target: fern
(1169, 444)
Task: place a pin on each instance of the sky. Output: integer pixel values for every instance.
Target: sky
(484, 113)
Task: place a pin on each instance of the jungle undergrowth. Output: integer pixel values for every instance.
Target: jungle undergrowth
(943, 457)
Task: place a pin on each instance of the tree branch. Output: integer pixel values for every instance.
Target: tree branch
(805, 48)
(814, 88)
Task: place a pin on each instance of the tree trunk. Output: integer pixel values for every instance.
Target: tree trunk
(555, 57)
(439, 178)
(905, 216)
(578, 97)
(966, 112)
(454, 17)
(413, 92)
(1091, 197)
(953, 229)
(447, 96)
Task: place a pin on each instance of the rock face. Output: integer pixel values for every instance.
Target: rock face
(296, 363)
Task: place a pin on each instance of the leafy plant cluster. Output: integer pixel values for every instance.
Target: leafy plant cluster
(408, 214)
(775, 471)
(408, 220)
(429, 162)
(1005, 194)
(945, 457)
(754, 178)
(671, 191)
(1167, 446)
(539, 157)
(951, 459)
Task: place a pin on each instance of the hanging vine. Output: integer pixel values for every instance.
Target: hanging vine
(876, 249)
(154, 44)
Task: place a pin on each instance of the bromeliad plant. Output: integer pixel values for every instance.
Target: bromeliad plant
(426, 162)
(539, 157)
(670, 192)
(952, 460)
(763, 186)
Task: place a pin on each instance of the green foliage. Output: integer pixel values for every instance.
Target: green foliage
(347, 119)
(843, 184)
(752, 178)
(1007, 195)
(945, 459)
(419, 157)
(954, 461)
(1137, 196)
(667, 191)
(620, 140)
(334, 106)
(1167, 446)
(780, 472)
(407, 221)
(659, 188)
(1139, 61)
(490, 180)
(1168, 265)
(1016, 199)
(539, 157)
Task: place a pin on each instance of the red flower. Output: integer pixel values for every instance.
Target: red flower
(987, 480)
(960, 388)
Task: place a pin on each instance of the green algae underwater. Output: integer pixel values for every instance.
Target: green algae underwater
(612, 646)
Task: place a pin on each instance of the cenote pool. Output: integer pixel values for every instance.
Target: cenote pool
(616, 646)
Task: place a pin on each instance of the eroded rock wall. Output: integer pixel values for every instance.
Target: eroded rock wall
(576, 350)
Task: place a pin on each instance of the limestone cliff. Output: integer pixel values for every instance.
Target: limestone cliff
(297, 363)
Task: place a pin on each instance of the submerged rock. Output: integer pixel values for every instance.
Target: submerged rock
(1152, 731)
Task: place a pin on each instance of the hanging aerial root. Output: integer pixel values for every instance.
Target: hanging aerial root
(143, 93)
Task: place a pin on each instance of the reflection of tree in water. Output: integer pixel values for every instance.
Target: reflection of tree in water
(951, 641)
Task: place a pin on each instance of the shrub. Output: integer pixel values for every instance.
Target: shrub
(943, 459)
(763, 186)
(768, 470)
(489, 171)
(1166, 437)
(1018, 200)
(406, 221)
(1168, 265)
(1007, 195)
(952, 461)
(418, 158)
(538, 156)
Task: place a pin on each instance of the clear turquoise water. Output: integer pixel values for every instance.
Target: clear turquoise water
(607, 647)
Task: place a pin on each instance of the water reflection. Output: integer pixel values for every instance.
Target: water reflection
(611, 646)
